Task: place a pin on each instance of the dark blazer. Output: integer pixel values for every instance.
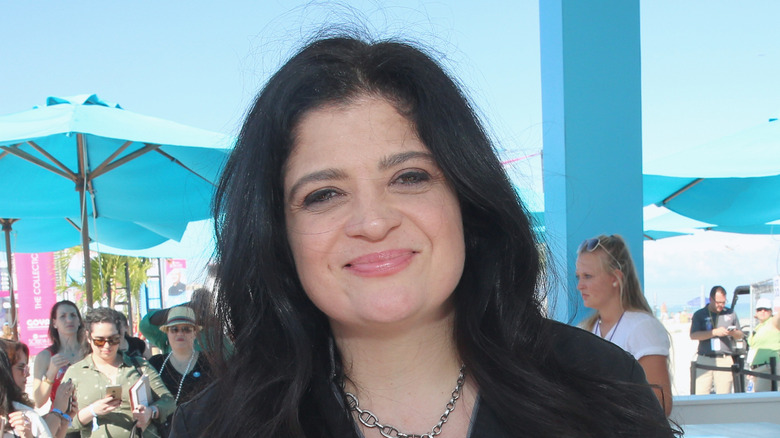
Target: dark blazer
(573, 347)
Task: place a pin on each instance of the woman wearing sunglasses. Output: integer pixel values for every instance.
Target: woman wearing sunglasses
(101, 414)
(184, 370)
(607, 280)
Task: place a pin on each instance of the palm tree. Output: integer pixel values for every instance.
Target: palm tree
(111, 275)
(111, 272)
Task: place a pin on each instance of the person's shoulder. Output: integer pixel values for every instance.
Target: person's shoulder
(21, 407)
(157, 360)
(579, 349)
(135, 361)
(639, 317)
(83, 363)
(138, 343)
(46, 353)
(42, 359)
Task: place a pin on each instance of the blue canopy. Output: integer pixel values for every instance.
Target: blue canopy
(732, 183)
(133, 180)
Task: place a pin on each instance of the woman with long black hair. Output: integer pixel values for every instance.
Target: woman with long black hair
(17, 419)
(379, 275)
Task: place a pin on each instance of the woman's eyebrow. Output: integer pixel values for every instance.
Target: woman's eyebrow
(320, 175)
(400, 158)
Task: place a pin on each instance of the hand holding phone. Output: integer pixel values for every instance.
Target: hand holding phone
(114, 391)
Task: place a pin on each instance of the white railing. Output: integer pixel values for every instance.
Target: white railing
(760, 407)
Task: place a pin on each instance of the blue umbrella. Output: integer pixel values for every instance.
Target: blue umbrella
(732, 183)
(82, 158)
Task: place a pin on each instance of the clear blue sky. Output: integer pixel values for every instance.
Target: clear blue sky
(710, 68)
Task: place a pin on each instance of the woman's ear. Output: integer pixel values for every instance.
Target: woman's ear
(618, 276)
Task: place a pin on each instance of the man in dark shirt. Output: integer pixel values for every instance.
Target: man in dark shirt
(716, 327)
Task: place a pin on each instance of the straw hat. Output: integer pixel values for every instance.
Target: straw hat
(179, 315)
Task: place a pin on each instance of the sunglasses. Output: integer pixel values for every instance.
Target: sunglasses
(99, 342)
(186, 329)
(591, 245)
(764, 309)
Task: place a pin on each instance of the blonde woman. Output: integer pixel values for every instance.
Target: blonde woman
(607, 280)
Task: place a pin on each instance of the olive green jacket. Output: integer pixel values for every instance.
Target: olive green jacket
(91, 386)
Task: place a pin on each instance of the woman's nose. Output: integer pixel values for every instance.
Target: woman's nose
(372, 218)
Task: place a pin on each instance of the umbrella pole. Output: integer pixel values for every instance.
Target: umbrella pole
(85, 250)
(7, 223)
(83, 183)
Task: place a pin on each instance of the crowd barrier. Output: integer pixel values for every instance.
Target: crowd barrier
(738, 372)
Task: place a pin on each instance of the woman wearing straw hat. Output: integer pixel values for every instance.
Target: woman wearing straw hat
(184, 370)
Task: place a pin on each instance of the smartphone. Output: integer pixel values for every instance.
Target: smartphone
(114, 391)
(731, 328)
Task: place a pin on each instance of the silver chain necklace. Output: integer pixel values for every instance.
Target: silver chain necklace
(368, 419)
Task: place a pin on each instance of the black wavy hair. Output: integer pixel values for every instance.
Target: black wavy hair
(282, 340)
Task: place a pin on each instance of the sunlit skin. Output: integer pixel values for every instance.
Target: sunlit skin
(763, 314)
(179, 340)
(67, 320)
(374, 227)
(377, 238)
(717, 304)
(21, 370)
(597, 286)
(104, 330)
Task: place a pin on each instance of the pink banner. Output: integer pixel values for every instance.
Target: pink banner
(35, 284)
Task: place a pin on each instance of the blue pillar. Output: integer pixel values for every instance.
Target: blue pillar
(591, 103)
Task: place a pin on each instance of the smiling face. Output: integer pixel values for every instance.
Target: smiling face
(375, 229)
(596, 285)
(66, 320)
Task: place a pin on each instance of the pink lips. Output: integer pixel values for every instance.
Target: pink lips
(381, 263)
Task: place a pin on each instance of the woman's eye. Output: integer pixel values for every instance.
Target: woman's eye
(413, 177)
(319, 197)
